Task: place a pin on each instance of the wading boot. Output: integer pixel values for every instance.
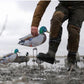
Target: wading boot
(46, 57)
(71, 60)
(50, 56)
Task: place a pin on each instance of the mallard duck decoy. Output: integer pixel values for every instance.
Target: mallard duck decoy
(9, 57)
(31, 41)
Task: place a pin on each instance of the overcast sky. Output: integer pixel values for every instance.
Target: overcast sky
(19, 15)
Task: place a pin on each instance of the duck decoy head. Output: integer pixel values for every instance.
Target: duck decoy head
(16, 51)
(43, 29)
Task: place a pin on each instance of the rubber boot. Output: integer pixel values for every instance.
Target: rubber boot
(71, 60)
(50, 55)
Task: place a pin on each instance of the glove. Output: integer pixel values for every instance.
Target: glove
(34, 31)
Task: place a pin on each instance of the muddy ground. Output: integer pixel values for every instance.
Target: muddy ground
(22, 74)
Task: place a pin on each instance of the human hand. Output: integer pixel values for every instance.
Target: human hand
(34, 31)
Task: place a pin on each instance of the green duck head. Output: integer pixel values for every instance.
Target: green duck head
(16, 51)
(42, 30)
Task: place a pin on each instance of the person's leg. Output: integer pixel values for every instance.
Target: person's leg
(56, 32)
(75, 22)
(60, 15)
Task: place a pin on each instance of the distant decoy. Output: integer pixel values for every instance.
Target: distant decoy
(9, 57)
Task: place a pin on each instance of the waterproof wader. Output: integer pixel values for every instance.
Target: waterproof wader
(75, 16)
